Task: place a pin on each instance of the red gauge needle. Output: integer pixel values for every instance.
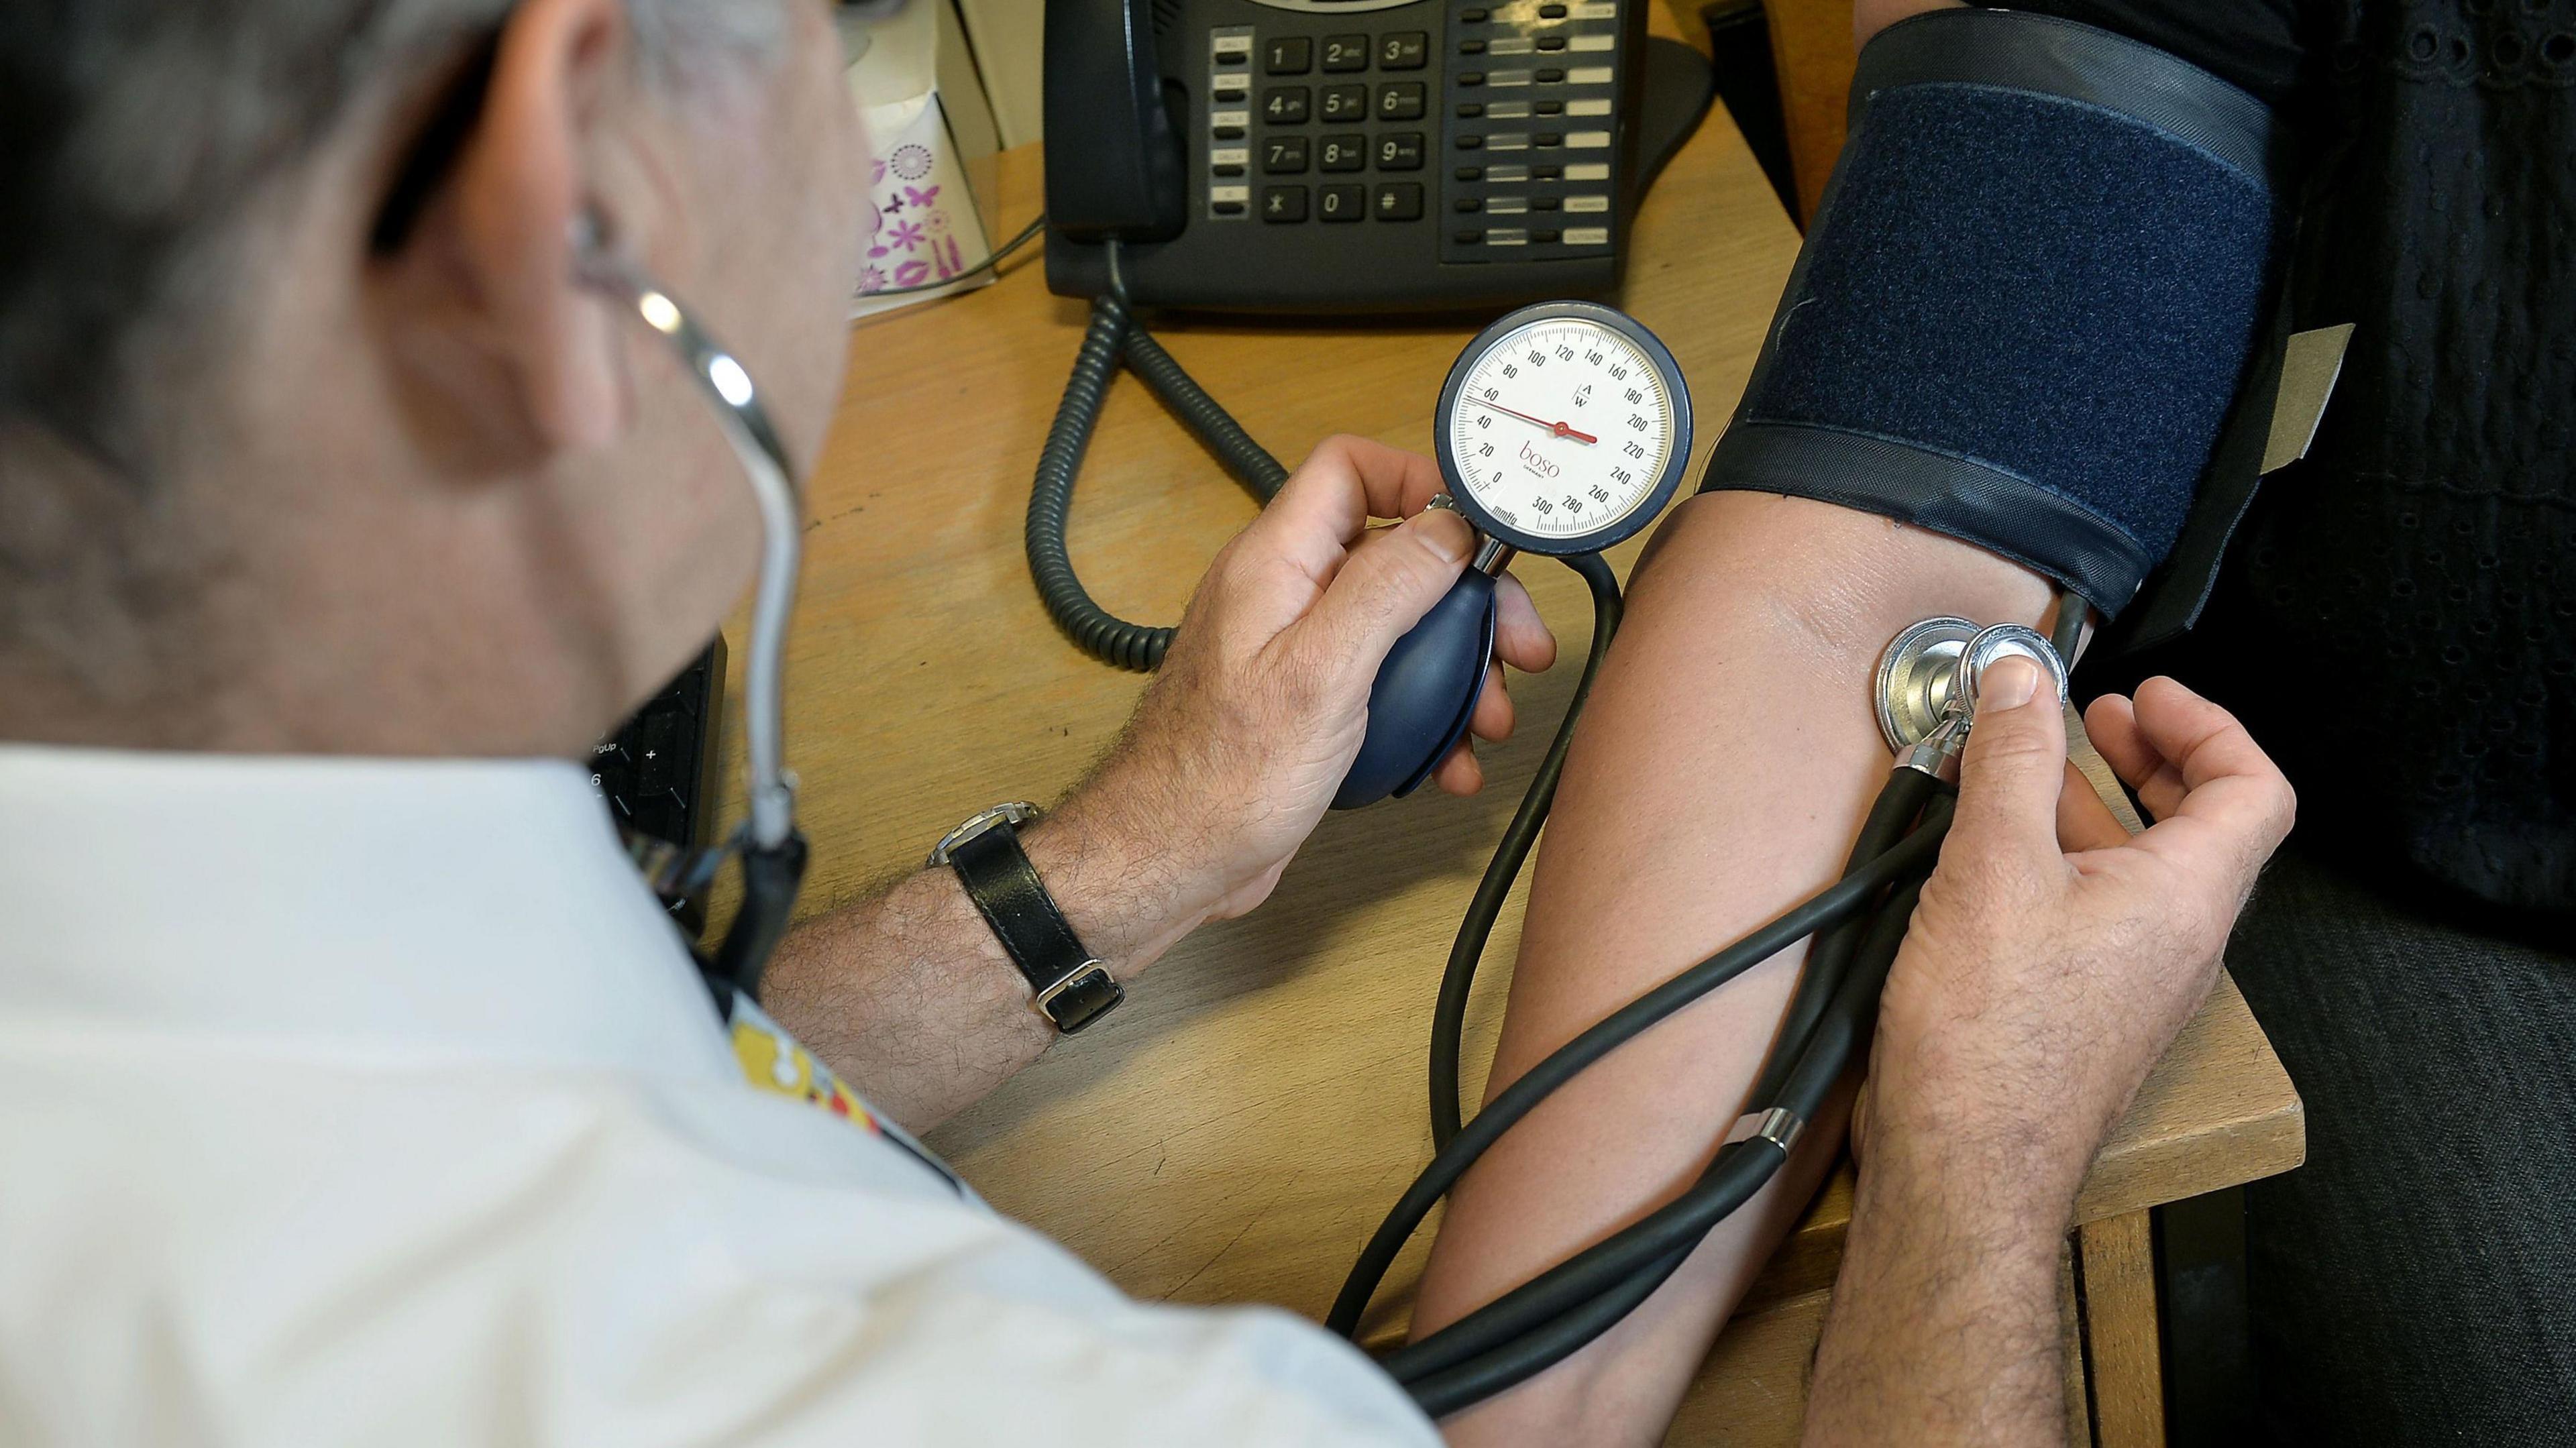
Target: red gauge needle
(1558, 428)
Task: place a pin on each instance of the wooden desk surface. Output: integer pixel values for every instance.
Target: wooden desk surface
(1234, 1133)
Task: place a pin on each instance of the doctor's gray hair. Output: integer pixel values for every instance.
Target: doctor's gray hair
(137, 135)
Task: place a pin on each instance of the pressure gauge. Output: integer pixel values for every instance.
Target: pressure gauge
(1563, 428)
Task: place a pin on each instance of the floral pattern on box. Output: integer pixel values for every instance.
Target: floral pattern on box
(925, 227)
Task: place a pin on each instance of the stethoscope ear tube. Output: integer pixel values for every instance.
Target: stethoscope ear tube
(772, 848)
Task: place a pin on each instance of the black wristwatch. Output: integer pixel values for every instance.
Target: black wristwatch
(1073, 987)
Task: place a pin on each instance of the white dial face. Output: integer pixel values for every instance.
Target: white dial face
(1562, 428)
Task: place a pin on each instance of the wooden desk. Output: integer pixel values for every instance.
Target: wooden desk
(1235, 1132)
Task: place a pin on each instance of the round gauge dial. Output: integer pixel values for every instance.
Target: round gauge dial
(1564, 428)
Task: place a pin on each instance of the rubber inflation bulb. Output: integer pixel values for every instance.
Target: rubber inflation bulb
(1424, 694)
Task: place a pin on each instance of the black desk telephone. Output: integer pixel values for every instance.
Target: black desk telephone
(1353, 155)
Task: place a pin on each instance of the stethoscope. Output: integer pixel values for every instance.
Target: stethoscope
(1563, 429)
(771, 847)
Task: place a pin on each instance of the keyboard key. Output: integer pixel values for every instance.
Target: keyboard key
(1284, 156)
(1288, 55)
(1470, 143)
(1341, 153)
(1341, 203)
(1226, 133)
(1470, 110)
(1403, 50)
(1551, 42)
(1399, 151)
(1471, 77)
(1283, 203)
(1472, 17)
(1403, 101)
(1546, 238)
(1341, 104)
(1466, 238)
(1550, 77)
(1551, 12)
(1346, 52)
(1471, 47)
(1285, 105)
(1469, 173)
(1401, 201)
(1467, 203)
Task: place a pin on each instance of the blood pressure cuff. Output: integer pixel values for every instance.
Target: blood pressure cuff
(2028, 299)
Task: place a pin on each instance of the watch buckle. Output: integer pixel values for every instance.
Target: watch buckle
(1080, 975)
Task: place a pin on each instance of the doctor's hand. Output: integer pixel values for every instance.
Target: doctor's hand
(2053, 957)
(1238, 746)
(2049, 963)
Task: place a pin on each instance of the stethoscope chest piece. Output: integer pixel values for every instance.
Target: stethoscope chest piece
(1930, 671)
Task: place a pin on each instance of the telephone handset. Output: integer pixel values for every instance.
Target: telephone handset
(1343, 155)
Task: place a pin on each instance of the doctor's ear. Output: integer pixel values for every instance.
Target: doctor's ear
(474, 247)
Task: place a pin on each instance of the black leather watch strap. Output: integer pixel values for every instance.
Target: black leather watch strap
(1073, 988)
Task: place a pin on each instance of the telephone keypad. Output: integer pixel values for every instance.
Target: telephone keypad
(1262, 128)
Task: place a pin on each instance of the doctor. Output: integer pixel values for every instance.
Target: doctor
(354, 1090)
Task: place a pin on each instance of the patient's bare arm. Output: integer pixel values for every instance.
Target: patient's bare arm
(1725, 762)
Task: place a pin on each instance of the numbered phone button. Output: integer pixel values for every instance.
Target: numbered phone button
(1285, 105)
(1341, 203)
(1404, 50)
(1400, 202)
(1400, 151)
(1283, 203)
(1341, 153)
(1402, 101)
(1346, 52)
(1288, 55)
(1285, 156)
(1342, 104)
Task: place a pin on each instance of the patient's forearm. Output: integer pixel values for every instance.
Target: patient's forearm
(1727, 756)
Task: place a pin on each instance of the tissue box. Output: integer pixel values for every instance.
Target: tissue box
(932, 133)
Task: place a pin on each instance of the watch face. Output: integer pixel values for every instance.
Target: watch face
(1018, 812)
(1563, 428)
